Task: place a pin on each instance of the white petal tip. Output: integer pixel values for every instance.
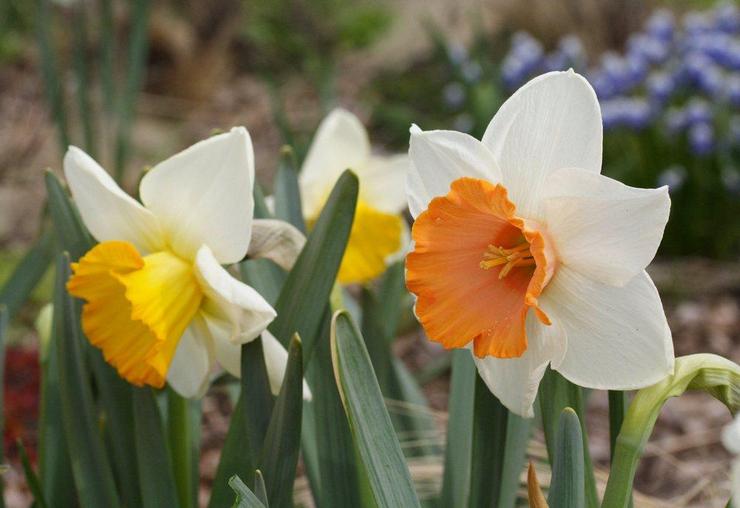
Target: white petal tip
(414, 130)
(307, 395)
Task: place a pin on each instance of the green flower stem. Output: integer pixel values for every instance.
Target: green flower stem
(716, 375)
(179, 437)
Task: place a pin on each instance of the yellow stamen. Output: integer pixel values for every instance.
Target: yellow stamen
(511, 258)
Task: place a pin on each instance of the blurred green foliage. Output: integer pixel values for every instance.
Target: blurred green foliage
(16, 23)
(289, 36)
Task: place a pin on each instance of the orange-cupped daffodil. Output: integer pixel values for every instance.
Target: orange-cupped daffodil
(526, 254)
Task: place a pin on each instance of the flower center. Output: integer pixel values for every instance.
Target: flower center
(477, 269)
(518, 255)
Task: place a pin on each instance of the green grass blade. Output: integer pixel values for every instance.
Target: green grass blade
(27, 274)
(155, 468)
(49, 71)
(459, 448)
(555, 394)
(91, 469)
(34, 485)
(287, 193)
(137, 50)
(245, 498)
(257, 394)
(283, 440)
(373, 434)
(307, 288)
(567, 489)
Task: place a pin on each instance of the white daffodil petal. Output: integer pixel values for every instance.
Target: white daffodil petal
(603, 228)
(438, 158)
(276, 359)
(189, 370)
(552, 122)
(228, 354)
(231, 299)
(617, 337)
(276, 240)
(107, 211)
(515, 380)
(731, 436)
(340, 143)
(383, 182)
(203, 195)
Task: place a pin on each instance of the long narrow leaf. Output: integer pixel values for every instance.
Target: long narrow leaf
(71, 233)
(27, 274)
(155, 469)
(339, 477)
(260, 490)
(308, 286)
(50, 71)
(114, 394)
(245, 498)
(138, 46)
(3, 342)
(556, 393)
(371, 426)
(458, 452)
(32, 480)
(248, 426)
(617, 409)
(283, 440)
(92, 472)
(179, 435)
(82, 74)
(55, 468)
(287, 194)
(567, 488)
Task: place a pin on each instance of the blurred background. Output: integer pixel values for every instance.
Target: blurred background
(134, 81)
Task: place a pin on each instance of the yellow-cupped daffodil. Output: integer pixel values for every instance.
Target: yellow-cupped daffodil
(158, 302)
(341, 142)
(527, 255)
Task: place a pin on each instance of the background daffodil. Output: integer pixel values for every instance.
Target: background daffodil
(158, 302)
(526, 254)
(341, 142)
(731, 440)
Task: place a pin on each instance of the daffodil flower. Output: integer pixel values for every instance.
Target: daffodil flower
(159, 304)
(731, 440)
(527, 255)
(341, 142)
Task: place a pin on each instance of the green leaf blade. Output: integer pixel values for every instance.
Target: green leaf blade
(91, 469)
(376, 442)
(567, 488)
(283, 440)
